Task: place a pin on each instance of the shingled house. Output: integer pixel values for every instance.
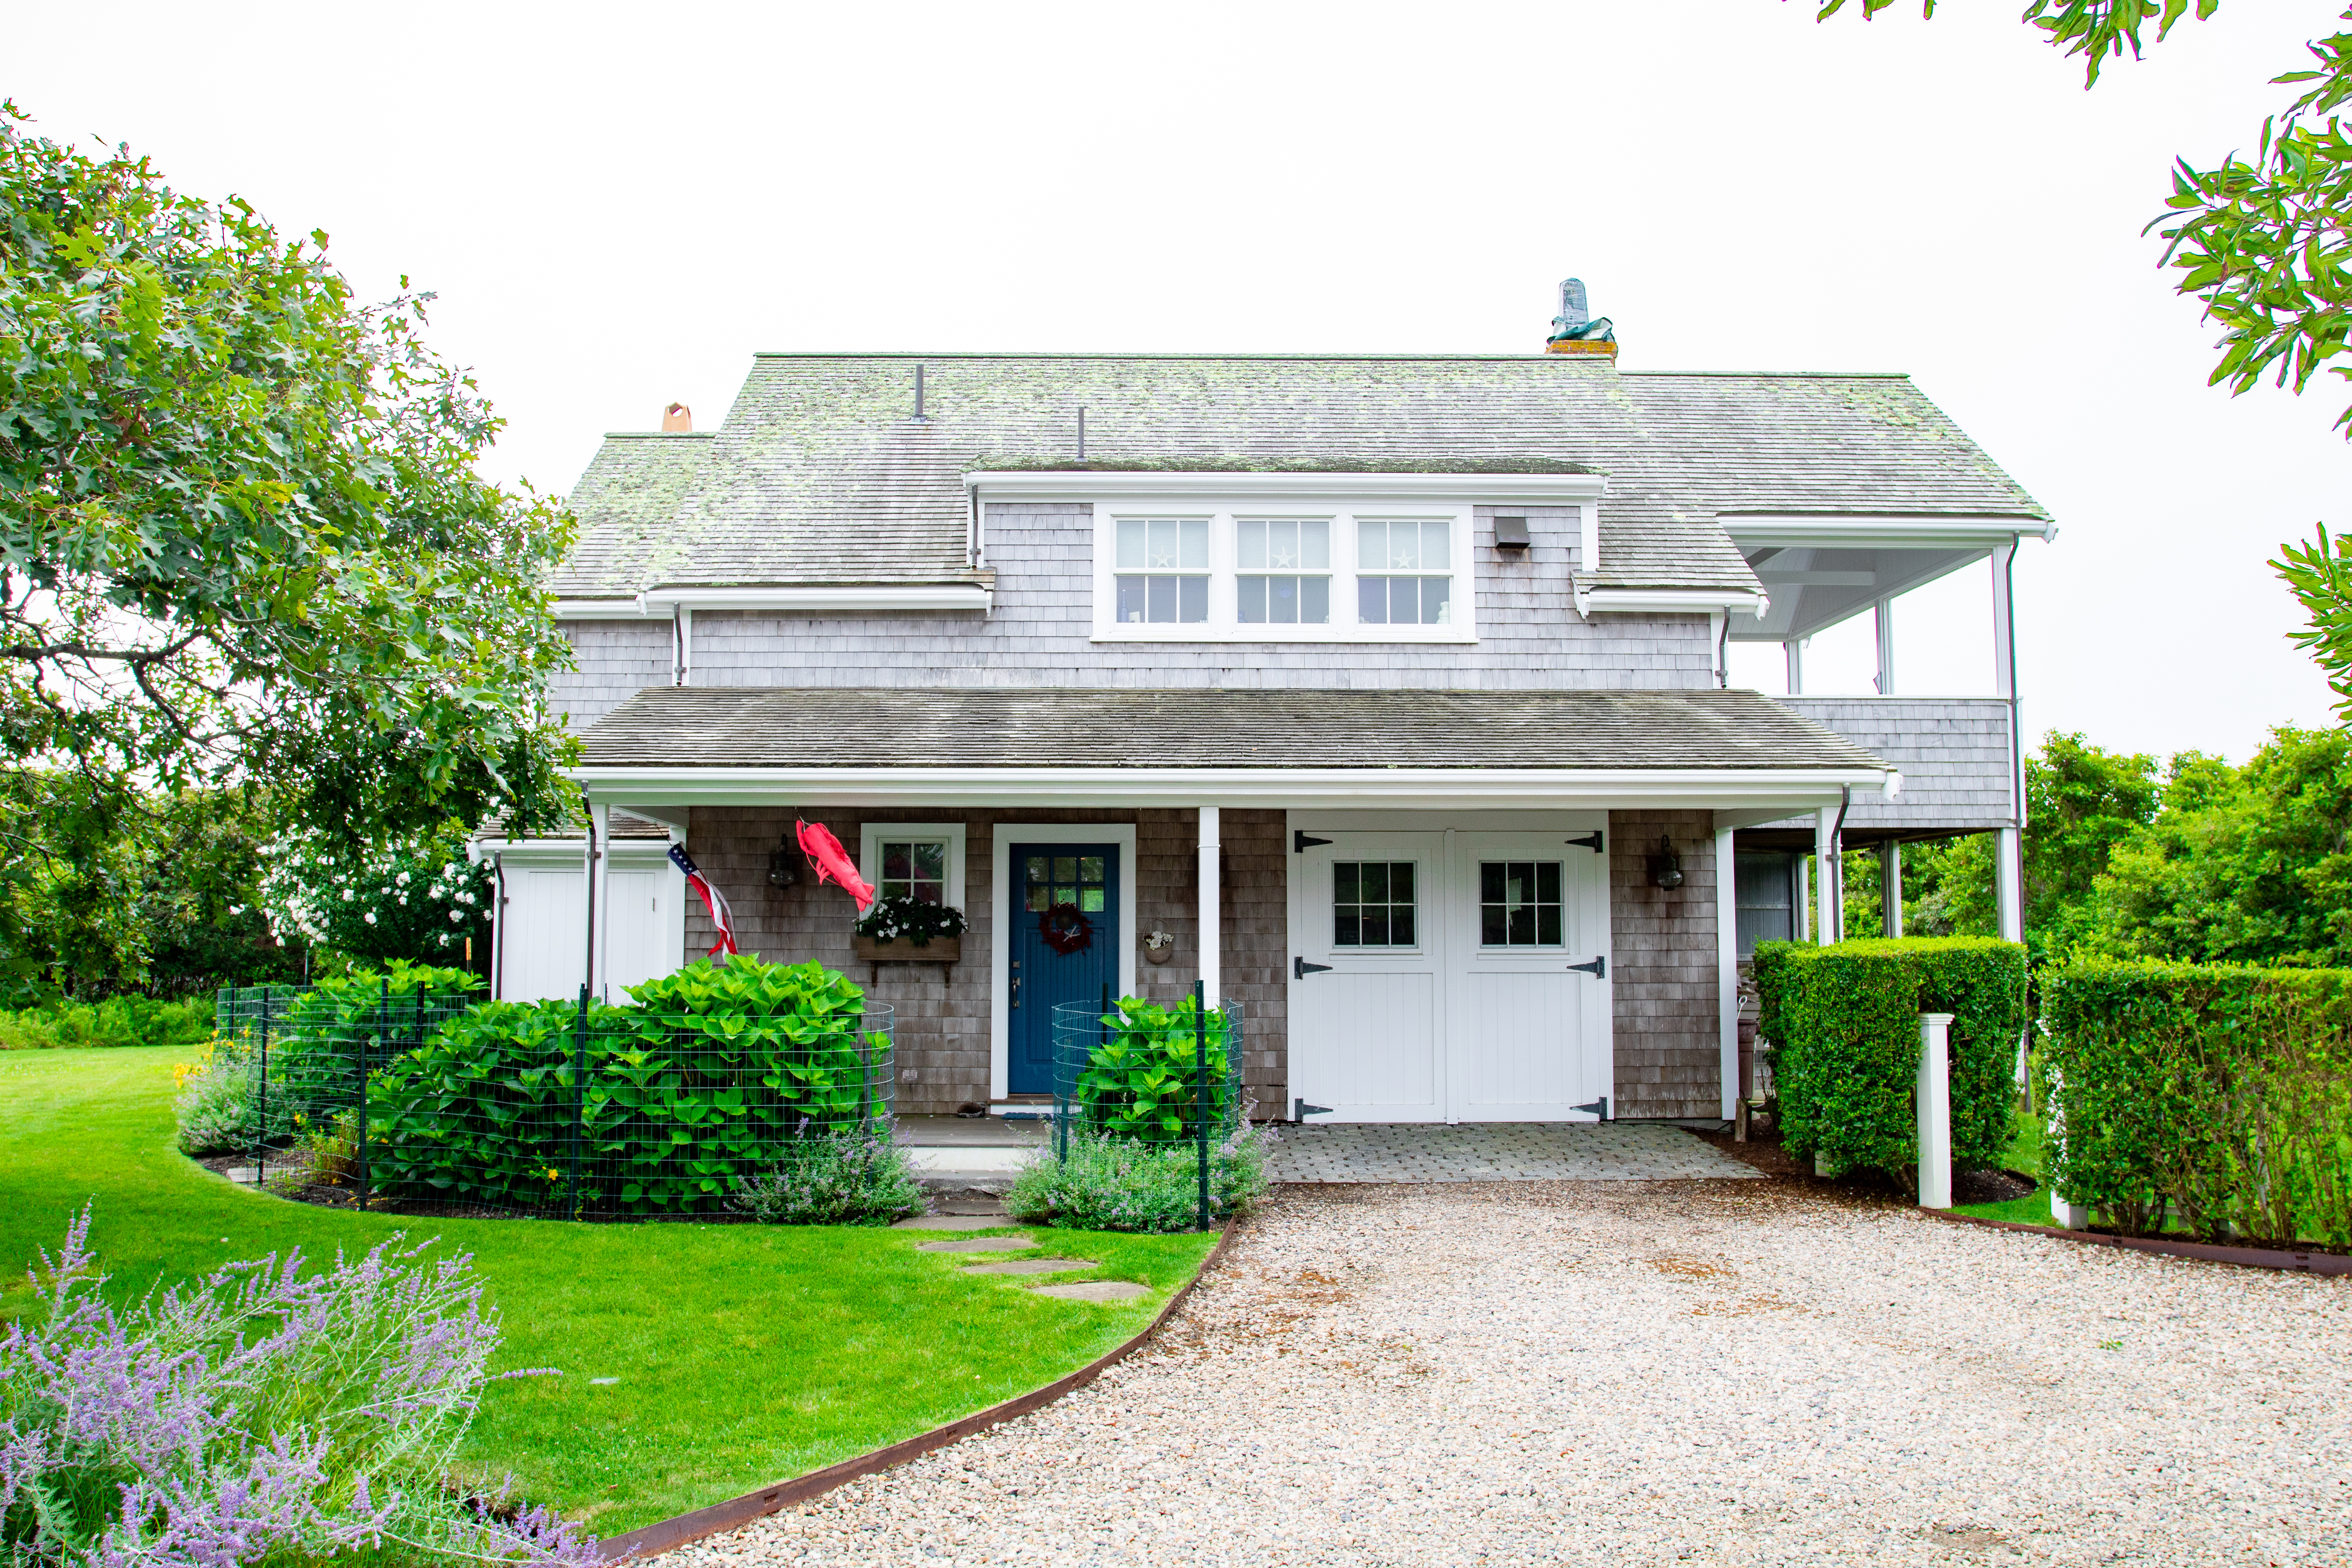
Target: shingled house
(1389, 694)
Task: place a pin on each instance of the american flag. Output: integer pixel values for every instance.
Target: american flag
(712, 899)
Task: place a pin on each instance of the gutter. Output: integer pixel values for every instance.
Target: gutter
(661, 602)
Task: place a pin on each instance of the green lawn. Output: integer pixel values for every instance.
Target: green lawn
(745, 1354)
(2024, 1157)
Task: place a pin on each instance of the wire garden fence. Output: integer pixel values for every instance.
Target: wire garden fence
(1168, 1078)
(395, 1093)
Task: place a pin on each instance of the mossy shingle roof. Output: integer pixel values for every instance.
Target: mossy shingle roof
(820, 475)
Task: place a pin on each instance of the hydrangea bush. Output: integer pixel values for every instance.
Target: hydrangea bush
(418, 899)
(266, 1413)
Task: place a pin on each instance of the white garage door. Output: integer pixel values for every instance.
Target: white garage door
(1450, 977)
(545, 940)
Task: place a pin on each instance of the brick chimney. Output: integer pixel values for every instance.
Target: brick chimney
(677, 416)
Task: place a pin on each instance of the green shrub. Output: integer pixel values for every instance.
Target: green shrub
(126, 1020)
(853, 1175)
(1109, 1182)
(1843, 1027)
(214, 1102)
(2215, 1097)
(696, 1086)
(1143, 1077)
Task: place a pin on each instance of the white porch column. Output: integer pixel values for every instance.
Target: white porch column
(600, 908)
(1934, 1099)
(1211, 939)
(1795, 648)
(1890, 888)
(1832, 920)
(1727, 967)
(1883, 615)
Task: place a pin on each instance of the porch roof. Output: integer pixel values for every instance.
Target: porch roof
(671, 745)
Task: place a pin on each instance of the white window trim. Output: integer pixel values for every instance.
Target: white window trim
(1224, 624)
(1000, 917)
(869, 851)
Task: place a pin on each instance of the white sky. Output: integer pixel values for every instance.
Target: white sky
(619, 205)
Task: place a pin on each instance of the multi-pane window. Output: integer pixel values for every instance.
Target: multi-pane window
(914, 869)
(1283, 570)
(1403, 573)
(1163, 569)
(1051, 879)
(1519, 903)
(1372, 903)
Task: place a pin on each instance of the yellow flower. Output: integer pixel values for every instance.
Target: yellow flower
(554, 1175)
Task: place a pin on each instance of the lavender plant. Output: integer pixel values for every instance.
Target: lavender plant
(266, 1413)
(853, 1175)
(1111, 1183)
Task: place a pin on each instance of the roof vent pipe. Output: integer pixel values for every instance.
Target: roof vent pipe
(679, 418)
(919, 395)
(1082, 437)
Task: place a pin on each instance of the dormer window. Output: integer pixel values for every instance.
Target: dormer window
(1404, 574)
(1282, 568)
(1163, 570)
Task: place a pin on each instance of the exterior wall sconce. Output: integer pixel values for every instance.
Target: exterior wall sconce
(1665, 865)
(1511, 533)
(784, 865)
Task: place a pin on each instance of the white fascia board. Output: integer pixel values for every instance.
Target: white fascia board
(1116, 484)
(1686, 601)
(1856, 531)
(629, 609)
(1796, 789)
(912, 596)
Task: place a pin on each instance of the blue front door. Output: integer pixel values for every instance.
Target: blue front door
(1046, 878)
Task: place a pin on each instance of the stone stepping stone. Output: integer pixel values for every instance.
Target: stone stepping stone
(982, 1244)
(953, 1222)
(1094, 1291)
(1030, 1266)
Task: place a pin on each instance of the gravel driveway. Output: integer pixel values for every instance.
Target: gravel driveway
(1636, 1373)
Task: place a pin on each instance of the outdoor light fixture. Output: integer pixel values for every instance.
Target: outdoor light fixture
(784, 865)
(1665, 865)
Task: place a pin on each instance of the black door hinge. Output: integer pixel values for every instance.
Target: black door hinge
(1598, 968)
(1592, 841)
(1300, 969)
(1599, 1108)
(1300, 1110)
(1300, 839)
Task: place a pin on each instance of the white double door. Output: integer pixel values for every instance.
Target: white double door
(1449, 976)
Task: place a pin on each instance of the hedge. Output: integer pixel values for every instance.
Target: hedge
(2214, 1097)
(1842, 1023)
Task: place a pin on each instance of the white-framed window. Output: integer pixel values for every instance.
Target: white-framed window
(1163, 570)
(914, 859)
(1391, 574)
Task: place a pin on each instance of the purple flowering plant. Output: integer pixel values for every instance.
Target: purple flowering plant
(265, 1413)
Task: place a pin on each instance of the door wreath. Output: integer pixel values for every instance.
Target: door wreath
(1066, 931)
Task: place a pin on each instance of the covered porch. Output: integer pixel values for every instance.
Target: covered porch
(1431, 906)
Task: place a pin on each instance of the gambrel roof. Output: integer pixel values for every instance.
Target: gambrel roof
(820, 475)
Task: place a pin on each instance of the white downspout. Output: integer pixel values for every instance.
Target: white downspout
(1212, 940)
(1727, 967)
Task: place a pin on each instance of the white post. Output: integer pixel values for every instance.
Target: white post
(1883, 614)
(1935, 1103)
(1825, 869)
(1795, 648)
(2008, 892)
(1802, 882)
(1890, 888)
(1727, 967)
(1212, 977)
(599, 926)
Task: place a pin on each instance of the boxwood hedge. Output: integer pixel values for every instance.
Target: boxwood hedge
(1842, 1024)
(2214, 1097)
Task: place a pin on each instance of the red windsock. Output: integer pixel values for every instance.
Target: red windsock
(833, 862)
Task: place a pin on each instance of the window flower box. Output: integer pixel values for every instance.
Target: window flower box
(905, 950)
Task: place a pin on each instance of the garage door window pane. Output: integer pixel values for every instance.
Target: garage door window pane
(1520, 903)
(1373, 904)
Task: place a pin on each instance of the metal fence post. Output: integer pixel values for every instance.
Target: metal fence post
(1200, 1091)
(579, 1095)
(261, 1095)
(360, 1134)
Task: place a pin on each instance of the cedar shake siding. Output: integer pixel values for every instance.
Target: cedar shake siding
(1669, 1052)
